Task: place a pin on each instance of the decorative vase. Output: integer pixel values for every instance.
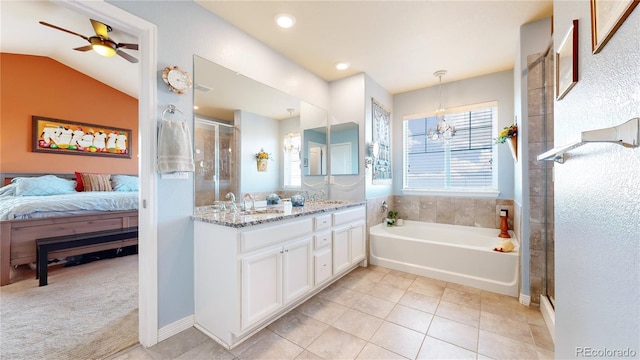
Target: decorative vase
(262, 165)
(513, 145)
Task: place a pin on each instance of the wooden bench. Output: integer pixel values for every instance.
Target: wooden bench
(46, 245)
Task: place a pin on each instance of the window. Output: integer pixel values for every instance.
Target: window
(465, 163)
(292, 164)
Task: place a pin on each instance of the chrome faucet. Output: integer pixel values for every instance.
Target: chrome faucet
(232, 201)
(244, 199)
(320, 195)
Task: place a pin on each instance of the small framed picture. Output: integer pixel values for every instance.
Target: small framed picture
(305, 162)
(567, 62)
(606, 18)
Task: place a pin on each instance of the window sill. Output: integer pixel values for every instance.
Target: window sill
(487, 194)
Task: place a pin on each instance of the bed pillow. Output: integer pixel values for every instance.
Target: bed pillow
(79, 186)
(8, 190)
(43, 185)
(124, 183)
(96, 182)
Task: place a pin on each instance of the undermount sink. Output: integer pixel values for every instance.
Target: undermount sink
(333, 202)
(262, 211)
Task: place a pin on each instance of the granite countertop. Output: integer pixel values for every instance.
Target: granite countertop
(270, 213)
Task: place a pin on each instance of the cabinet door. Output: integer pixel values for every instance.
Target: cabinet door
(297, 271)
(261, 286)
(358, 241)
(341, 249)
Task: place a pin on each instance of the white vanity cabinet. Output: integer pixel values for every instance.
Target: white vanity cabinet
(274, 277)
(348, 238)
(247, 277)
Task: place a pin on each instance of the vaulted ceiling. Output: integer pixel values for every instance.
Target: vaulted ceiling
(400, 44)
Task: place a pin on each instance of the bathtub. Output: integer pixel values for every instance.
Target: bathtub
(453, 253)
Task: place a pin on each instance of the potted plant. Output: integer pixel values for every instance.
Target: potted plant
(392, 217)
(509, 135)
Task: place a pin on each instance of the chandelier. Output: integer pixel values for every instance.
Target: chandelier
(291, 142)
(444, 131)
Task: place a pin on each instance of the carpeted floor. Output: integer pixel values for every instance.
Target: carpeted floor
(86, 312)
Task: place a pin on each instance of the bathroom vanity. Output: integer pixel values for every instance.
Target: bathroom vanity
(252, 267)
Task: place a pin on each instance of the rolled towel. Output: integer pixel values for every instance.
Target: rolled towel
(174, 147)
(504, 246)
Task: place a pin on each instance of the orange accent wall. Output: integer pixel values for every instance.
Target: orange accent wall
(36, 85)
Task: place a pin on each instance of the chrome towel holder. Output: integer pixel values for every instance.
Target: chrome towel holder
(625, 134)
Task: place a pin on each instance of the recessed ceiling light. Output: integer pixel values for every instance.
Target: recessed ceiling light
(285, 21)
(342, 65)
(196, 107)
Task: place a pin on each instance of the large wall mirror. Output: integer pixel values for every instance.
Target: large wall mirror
(237, 117)
(344, 149)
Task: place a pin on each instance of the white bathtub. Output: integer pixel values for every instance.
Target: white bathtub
(458, 254)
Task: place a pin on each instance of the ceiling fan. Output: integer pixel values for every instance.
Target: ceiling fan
(100, 42)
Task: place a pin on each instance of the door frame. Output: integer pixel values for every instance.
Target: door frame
(147, 149)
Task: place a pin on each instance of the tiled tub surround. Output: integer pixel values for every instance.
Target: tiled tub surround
(483, 213)
(250, 269)
(454, 253)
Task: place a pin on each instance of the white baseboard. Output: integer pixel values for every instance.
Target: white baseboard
(525, 299)
(176, 328)
(549, 316)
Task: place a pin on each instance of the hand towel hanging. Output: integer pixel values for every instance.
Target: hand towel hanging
(174, 144)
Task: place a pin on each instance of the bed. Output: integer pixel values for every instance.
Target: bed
(25, 217)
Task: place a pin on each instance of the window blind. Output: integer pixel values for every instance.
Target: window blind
(464, 162)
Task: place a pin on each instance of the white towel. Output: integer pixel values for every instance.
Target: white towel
(174, 147)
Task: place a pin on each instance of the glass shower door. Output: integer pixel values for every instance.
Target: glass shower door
(214, 176)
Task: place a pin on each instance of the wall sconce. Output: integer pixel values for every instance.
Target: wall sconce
(374, 151)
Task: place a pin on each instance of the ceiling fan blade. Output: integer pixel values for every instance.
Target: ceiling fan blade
(128, 46)
(100, 28)
(84, 48)
(128, 57)
(65, 30)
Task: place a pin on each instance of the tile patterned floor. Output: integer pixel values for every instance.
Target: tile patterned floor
(377, 313)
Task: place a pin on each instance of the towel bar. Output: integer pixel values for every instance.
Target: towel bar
(625, 134)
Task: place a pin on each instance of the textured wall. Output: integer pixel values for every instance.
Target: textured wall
(597, 193)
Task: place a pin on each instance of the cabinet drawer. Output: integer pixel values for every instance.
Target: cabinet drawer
(322, 222)
(273, 234)
(323, 266)
(322, 240)
(348, 216)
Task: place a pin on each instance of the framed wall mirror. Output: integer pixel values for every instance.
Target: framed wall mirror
(248, 117)
(315, 152)
(344, 149)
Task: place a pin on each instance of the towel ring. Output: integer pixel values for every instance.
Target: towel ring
(171, 109)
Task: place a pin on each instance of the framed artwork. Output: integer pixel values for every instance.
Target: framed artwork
(381, 137)
(567, 62)
(58, 136)
(606, 18)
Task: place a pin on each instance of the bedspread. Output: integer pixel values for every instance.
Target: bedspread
(26, 207)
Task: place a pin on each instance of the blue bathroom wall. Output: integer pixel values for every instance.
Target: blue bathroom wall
(185, 29)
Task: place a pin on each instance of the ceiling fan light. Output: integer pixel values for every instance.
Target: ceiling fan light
(103, 47)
